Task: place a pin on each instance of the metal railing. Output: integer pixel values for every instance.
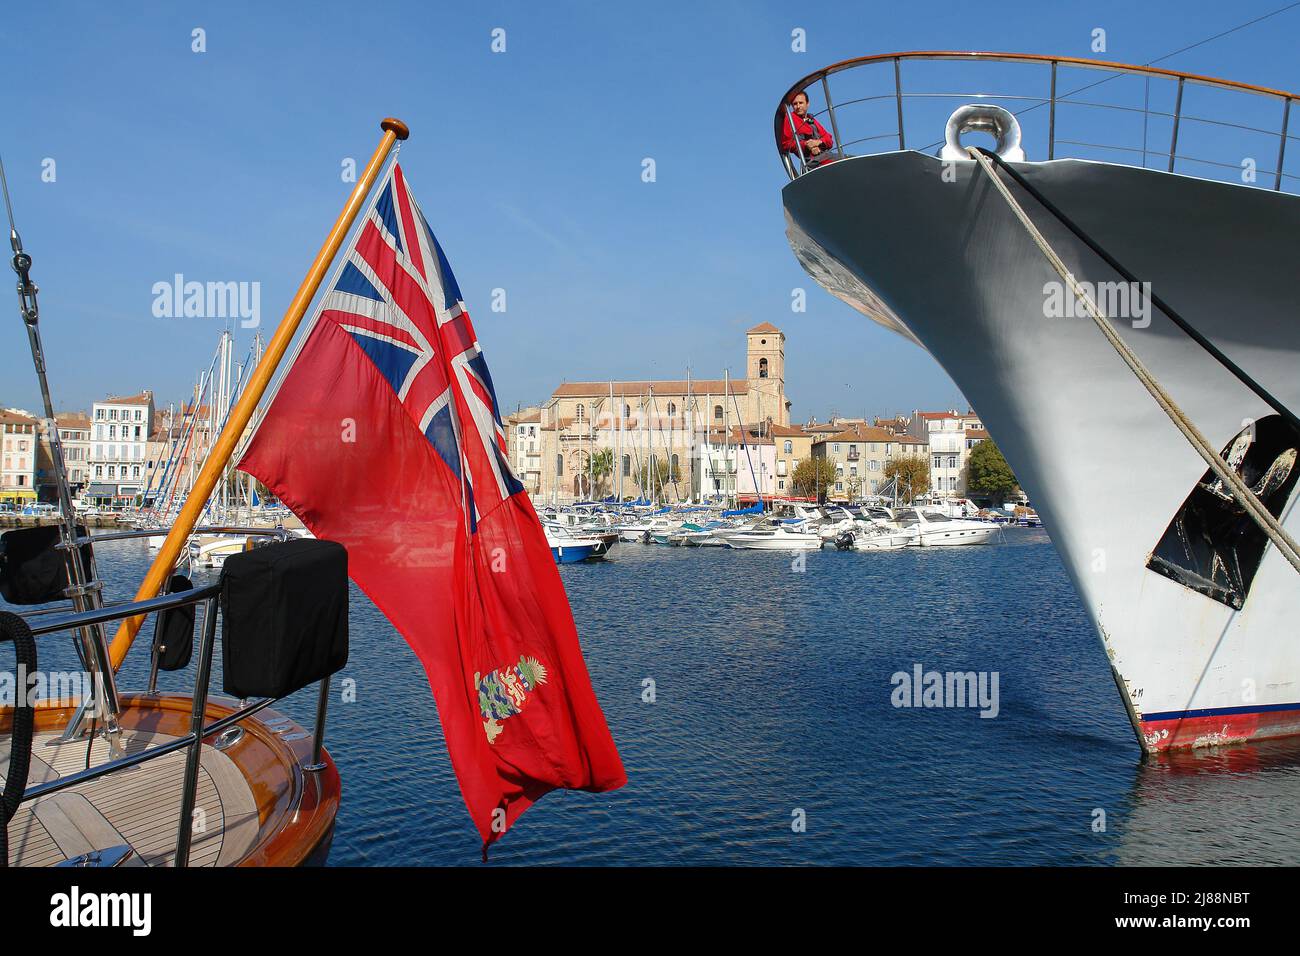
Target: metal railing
(890, 89)
(92, 646)
(192, 742)
(279, 533)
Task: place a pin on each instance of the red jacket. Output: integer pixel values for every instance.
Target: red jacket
(807, 128)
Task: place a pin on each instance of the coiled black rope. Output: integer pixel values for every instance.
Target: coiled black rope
(14, 628)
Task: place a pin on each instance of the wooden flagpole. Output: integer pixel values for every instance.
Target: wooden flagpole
(242, 413)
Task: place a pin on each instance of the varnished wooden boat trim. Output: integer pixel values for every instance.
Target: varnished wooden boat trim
(296, 808)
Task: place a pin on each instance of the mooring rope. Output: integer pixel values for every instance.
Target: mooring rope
(1170, 313)
(1238, 489)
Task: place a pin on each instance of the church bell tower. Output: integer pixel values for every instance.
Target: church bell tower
(765, 374)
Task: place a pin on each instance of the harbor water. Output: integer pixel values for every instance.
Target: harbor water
(752, 697)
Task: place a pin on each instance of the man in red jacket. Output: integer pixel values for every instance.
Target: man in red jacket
(807, 134)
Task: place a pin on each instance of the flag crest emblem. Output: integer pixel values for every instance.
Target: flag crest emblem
(502, 693)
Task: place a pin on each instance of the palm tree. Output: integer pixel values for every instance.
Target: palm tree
(602, 466)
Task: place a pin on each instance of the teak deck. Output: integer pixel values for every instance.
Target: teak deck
(139, 806)
(254, 804)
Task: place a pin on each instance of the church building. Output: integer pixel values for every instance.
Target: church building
(668, 440)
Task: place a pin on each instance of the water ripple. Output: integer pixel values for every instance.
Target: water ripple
(772, 702)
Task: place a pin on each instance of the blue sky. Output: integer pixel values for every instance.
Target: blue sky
(225, 166)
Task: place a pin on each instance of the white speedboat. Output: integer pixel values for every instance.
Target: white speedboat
(1116, 324)
(883, 540)
(933, 529)
(833, 522)
(769, 536)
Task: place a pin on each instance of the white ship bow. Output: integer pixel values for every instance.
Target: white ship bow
(930, 249)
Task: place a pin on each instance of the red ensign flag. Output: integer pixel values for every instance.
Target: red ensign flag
(385, 436)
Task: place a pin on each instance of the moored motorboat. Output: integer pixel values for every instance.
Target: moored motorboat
(772, 536)
(877, 539)
(932, 529)
(569, 546)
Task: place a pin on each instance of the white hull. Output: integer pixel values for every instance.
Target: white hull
(211, 552)
(882, 542)
(957, 537)
(946, 265)
(776, 541)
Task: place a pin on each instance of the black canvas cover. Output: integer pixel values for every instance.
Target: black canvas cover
(173, 633)
(284, 610)
(32, 570)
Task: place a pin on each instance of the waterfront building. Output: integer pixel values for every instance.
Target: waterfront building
(737, 465)
(74, 436)
(18, 439)
(950, 435)
(791, 445)
(652, 431)
(860, 453)
(524, 446)
(120, 430)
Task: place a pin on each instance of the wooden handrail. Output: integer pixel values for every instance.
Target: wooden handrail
(1033, 58)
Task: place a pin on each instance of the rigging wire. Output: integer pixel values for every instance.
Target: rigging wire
(4, 184)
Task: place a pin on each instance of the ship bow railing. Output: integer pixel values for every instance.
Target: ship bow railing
(1066, 107)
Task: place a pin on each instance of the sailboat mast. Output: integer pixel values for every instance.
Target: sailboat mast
(619, 441)
(225, 411)
(690, 441)
(706, 429)
(652, 469)
(726, 437)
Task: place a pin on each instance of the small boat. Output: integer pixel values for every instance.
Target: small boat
(568, 547)
(650, 530)
(771, 536)
(1028, 518)
(933, 529)
(707, 535)
(877, 539)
